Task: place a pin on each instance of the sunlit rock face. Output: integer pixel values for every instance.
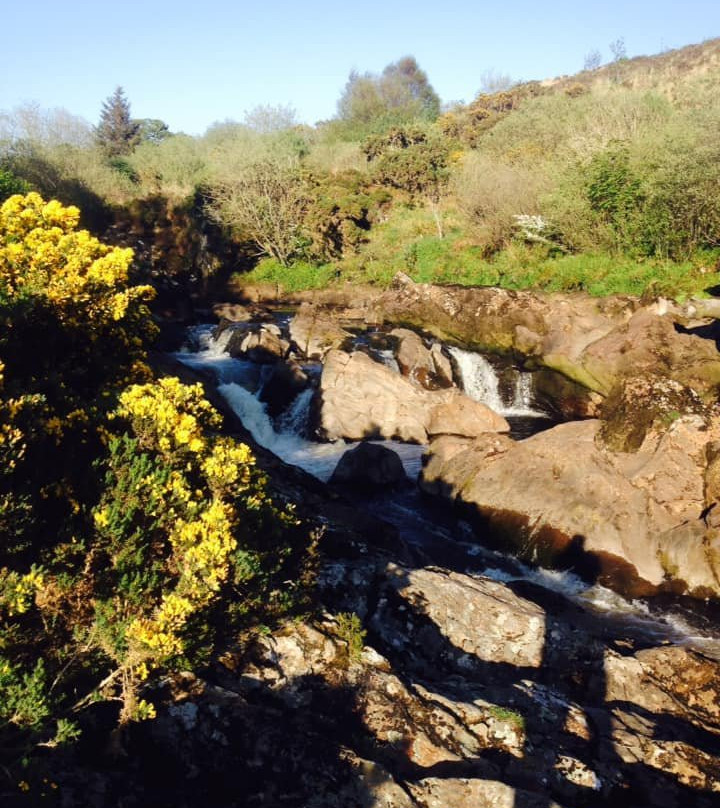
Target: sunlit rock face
(563, 498)
(360, 398)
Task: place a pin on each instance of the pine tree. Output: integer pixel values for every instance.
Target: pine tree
(117, 133)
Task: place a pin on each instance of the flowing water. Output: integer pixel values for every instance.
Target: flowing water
(426, 524)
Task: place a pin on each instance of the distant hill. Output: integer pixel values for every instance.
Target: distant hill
(671, 73)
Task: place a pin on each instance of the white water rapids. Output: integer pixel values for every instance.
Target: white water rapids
(480, 382)
(240, 381)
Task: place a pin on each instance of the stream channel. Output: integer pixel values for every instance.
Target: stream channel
(421, 522)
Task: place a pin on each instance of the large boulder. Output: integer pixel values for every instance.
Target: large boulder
(369, 465)
(360, 399)
(459, 414)
(263, 345)
(315, 331)
(467, 621)
(502, 320)
(427, 367)
(646, 344)
(286, 381)
(618, 517)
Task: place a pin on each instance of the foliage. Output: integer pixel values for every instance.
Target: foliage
(409, 160)
(341, 212)
(350, 630)
(400, 95)
(10, 184)
(135, 535)
(265, 205)
(295, 277)
(117, 133)
(151, 130)
(177, 527)
(268, 118)
(75, 330)
(492, 195)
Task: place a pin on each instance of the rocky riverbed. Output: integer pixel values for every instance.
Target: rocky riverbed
(433, 674)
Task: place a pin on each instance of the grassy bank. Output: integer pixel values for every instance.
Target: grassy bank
(406, 243)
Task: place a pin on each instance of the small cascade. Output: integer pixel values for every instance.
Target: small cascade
(296, 418)
(318, 459)
(522, 403)
(478, 378)
(211, 353)
(387, 357)
(480, 381)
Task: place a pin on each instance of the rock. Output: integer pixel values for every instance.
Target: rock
(361, 399)
(316, 332)
(473, 620)
(426, 368)
(262, 345)
(461, 415)
(612, 515)
(557, 394)
(594, 342)
(433, 792)
(644, 404)
(369, 465)
(286, 381)
(500, 320)
(442, 366)
(233, 312)
(646, 344)
(669, 681)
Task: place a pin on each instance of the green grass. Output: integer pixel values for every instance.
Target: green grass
(295, 278)
(407, 242)
(511, 716)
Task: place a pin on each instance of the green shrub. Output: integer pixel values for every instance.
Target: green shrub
(350, 631)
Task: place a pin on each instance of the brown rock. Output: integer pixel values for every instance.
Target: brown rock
(613, 514)
(461, 415)
(479, 618)
(369, 465)
(433, 792)
(426, 367)
(316, 332)
(363, 399)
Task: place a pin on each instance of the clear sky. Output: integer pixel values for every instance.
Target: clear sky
(193, 63)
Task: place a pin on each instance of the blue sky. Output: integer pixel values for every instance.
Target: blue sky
(191, 64)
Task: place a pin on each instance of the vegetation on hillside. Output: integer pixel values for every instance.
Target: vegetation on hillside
(614, 167)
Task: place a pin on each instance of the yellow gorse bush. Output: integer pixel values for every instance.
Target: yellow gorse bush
(168, 415)
(42, 253)
(195, 507)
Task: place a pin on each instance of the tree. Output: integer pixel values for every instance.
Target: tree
(10, 184)
(151, 130)
(264, 204)
(401, 94)
(117, 132)
(593, 60)
(268, 118)
(618, 50)
(493, 82)
(404, 85)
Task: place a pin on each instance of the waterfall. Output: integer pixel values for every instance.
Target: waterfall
(480, 381)
(478, 378)
(318, 459)
(295, 420)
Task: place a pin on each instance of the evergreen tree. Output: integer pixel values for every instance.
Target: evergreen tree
(117, 133)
